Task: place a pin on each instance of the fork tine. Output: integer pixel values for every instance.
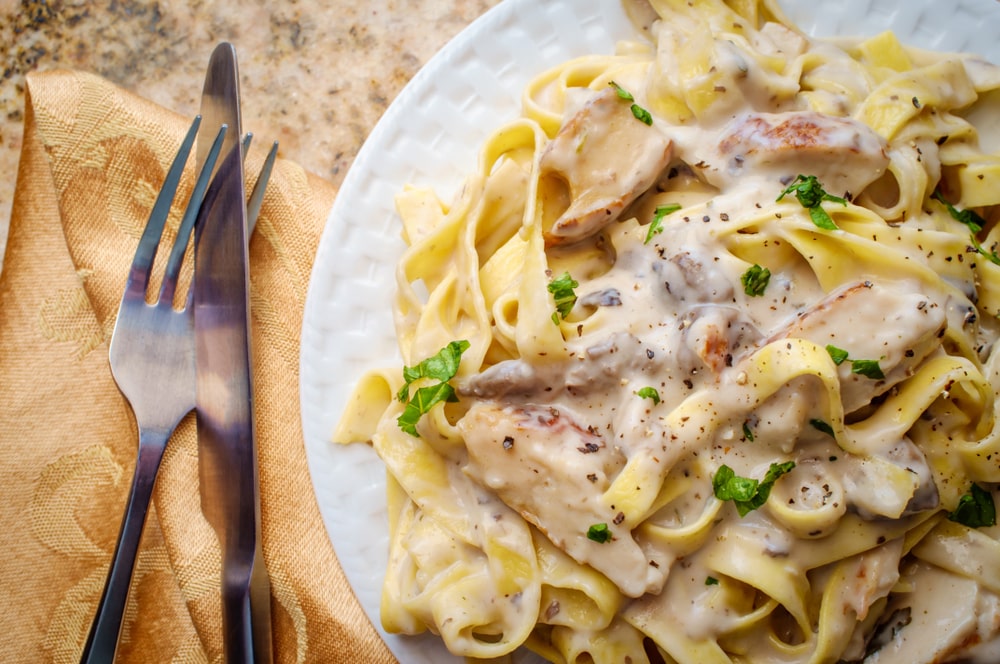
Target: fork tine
(257, 197)
(173, 269)
(138, 276)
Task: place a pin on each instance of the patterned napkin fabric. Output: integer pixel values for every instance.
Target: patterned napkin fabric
(92, 161)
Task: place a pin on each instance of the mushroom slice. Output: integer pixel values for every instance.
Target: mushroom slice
(607, 158)
(601, 365)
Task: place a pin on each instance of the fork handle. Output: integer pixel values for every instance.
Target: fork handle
(103, 637)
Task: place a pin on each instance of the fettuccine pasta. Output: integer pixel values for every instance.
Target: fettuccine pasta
(701, 365)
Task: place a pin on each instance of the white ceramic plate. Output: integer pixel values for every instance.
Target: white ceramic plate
(431, 136)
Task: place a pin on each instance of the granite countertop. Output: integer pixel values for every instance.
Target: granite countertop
(315, 75)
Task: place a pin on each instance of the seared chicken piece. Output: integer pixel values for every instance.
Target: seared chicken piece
(845, 155)
(942, 619)
(716, 334)
(553, 471)
(876, 572)
(895, 328)
(607, 158)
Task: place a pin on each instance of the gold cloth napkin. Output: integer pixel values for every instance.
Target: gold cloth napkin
(92, 160)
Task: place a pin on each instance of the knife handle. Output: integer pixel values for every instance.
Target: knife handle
(246, 614)
(102, 641)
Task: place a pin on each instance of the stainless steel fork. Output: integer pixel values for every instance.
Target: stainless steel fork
(152, 361)
(152, 357)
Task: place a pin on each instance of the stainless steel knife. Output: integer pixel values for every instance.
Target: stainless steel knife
(220, 101)
(227, 450)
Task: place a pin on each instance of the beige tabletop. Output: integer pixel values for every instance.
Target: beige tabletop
(316, 74)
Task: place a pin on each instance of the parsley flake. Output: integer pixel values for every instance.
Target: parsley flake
(711, 581)
(622, 92)
(423, 400)
(839, 355)
(638, 112)
(564, 295)
(867, 368)
(967, 217)
(810, 194)
(642, 114)
(599, 533)
(442, 367)
(650, 393)
(748, 494)
(824, 426)
(975, 509)
(656, 226)
(989, 255)
(747, 431)
(755, 280)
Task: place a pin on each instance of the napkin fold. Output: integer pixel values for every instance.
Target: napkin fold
(92, 161)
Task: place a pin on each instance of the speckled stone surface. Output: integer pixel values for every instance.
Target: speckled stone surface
(315, 74)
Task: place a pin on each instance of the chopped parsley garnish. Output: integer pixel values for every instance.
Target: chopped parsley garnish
(810, 195)
(599, 533)
(423, 400)
(868, 368)
(967, 217)
(639, 112)
(973, 221)
(622, 92)
(442, 367)
(564, 295)
(656, 226)
(747, 431)
(650, 393)
(989, 255)
(975, 509)
(822, 425)
(747, 493)
(711, 581)
(755, 280)
(839, 355)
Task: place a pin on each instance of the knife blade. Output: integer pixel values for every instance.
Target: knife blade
(227, 450)
(220, 102)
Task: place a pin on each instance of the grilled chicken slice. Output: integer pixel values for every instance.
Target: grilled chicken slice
(872, 322)
(844, 154)
(545, 465)
(607, 158)
(923, 627)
